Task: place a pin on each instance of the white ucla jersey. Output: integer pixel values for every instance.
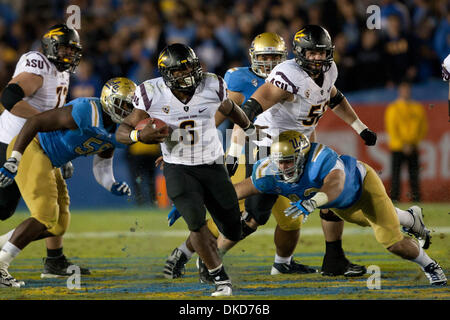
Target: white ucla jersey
(308, 105)
(194, 139)
(51, 95)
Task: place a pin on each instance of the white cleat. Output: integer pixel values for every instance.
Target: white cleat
(223, 289)
(435, 274)
(418, 229)
(7, 280)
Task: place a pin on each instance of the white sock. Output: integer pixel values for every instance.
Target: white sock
(4, 238)
(8, 253)
(422, 259)
(279, 259)
(406, 218)
(186, 251)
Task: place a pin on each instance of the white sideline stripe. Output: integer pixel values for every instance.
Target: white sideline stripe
(182, 233)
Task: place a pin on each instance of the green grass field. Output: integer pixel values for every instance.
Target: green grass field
(126, 252)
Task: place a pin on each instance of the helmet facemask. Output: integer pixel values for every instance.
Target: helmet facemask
(117, 98)
(264, 67)
(317, 66)
(118, 107)
(266, 44)
(292, 173)
(186, 82)
(61, 45)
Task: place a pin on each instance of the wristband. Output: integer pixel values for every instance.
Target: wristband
(17, 155)
(134, 135)
(320, 198)
(358, 126)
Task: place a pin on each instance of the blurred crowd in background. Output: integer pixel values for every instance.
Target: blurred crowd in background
(124, 37)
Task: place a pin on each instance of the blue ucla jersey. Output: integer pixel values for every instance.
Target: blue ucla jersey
(321, 160)
(91, 136)
(243, 80)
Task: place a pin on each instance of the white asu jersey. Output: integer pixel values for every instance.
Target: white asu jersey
(51, 95)
(446, 69)
(194, 140)
(308, 105)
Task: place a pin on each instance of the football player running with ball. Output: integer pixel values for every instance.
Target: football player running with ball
(40, 82)
(314, 176)
(85, 126)
(187, 99)
(267, 51)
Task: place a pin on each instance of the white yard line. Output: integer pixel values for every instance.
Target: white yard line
(183, 233)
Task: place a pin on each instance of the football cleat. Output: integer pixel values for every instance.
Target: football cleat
(223, 288)
(175, 264)
(57, 267)
(351, 270)
(340, 266)
(418, 229)
(7, 280)
(203, 273)
(435, 274)
(292, 267)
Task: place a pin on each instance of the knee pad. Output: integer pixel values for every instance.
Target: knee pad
(329, 216)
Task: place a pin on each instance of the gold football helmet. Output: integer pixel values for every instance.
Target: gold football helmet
(267, 43)
(116, 98)
(290, 146)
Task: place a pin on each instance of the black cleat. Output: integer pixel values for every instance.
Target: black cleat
(175, 264)
(57, 267)
(293, 267)
(342, 267)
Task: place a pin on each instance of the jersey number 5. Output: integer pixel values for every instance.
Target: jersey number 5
(315, 113)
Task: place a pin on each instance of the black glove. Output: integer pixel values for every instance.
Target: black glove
(369, 137)
(232, 165)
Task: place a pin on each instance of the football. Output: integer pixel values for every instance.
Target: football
(157, 123)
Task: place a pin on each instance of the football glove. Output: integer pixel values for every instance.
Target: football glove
(67, 170)
(120, 189)
(304, 207)
(8, 172)
(369, 137)
(173, 216)
(232, 164)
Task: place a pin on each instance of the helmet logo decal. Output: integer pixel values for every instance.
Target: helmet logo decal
(166, 109)
(53, 33)
(299, 35)
(161, 59)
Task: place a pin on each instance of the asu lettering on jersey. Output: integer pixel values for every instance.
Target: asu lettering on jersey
(195, 139)
(308, 105)
(51, 95)
(243, 80)
(91, 136)
(321, 161)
